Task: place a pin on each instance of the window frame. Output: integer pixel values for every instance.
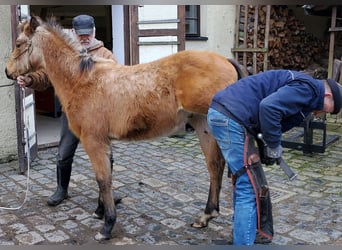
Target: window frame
(197, 35)
(197, 20)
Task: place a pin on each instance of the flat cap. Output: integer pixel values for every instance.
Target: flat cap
(336, 90)
(83, 24)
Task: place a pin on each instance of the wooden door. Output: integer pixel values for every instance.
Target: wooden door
(154, 34)
(25, 107)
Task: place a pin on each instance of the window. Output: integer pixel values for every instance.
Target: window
(192, 20)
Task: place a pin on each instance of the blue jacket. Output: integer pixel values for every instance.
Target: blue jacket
(271, 102)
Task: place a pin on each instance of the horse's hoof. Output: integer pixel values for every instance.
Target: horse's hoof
(117, 200)
(101, 237)
(204, 219)
(97, 216)
(199, 224)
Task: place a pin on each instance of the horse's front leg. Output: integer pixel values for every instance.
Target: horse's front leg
(99, 212)
(215, 165)
(108, 206)
(98, 155)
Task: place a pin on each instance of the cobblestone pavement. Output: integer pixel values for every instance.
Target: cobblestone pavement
(165, 185)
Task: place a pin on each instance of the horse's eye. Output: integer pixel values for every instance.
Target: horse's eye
(17, 45)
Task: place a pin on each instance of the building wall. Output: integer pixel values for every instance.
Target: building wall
(118, 33)
(218, 24)
(8, 132)
(153, 14)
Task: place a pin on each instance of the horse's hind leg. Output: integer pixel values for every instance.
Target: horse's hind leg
(215, 165)
(98, 155)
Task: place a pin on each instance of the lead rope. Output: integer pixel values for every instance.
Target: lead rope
(28, 161)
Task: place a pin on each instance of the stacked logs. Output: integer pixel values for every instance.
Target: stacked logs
(290, 46)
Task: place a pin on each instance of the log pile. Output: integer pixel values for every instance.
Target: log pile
(290, 46)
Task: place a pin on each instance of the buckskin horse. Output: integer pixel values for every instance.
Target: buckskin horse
(104, 101)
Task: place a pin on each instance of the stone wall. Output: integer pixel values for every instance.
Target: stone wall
(8, 130)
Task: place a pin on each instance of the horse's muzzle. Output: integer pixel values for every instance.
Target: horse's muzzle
(8, 76)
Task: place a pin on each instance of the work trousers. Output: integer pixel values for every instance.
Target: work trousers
(67, 146)
(230, 136)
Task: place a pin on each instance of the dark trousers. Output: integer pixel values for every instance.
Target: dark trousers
(67, 145)
(66, 150)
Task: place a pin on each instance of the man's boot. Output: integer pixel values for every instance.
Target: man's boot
(63, 178)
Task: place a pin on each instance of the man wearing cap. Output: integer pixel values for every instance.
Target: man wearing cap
(269, 103)
(84, 30)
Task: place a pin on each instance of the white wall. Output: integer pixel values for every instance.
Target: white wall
(153, 14)
(118, 33)
(8, 132)
(218, 24)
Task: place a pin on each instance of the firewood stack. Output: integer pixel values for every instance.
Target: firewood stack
(290, 47)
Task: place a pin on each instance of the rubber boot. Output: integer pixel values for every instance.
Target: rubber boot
(63, 178)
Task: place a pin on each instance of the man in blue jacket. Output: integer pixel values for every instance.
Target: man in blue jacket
(270, 103)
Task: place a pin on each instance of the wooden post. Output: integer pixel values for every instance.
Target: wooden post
(255, 37)
(332, 41)
(267, 31)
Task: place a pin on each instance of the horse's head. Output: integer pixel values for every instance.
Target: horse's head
(24, 58)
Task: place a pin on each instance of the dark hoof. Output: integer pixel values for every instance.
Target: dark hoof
(96, 215)
(99, 213)
(101, 237)
(204, 219)
(199, 224)
(117, 200)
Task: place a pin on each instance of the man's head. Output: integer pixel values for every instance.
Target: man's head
(84, 28)
(332, 97)
(336, 90)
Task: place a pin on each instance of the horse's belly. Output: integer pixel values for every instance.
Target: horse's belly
(143, 126)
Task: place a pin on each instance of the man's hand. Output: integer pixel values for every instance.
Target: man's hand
(273, 155)
(270, 161)
(24, 81)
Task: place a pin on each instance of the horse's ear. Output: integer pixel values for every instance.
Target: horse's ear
(34, 23)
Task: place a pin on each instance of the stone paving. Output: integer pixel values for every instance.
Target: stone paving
(164, 183)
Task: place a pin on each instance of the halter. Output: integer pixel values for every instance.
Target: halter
(27, 48)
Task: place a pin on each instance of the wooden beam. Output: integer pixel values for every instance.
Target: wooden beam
(251, 50)
(332, 42)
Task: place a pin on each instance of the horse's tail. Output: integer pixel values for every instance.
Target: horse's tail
(239, 68)
(87, 61)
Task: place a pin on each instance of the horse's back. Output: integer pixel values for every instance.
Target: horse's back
(201, 75)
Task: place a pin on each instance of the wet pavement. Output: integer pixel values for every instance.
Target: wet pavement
(164, 183)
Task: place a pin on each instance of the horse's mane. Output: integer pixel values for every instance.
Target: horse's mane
(53, 27)
(87, 61)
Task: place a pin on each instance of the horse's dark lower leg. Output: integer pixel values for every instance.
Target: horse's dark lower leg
(99, 212)
(212, 208)
(106, 204)
(108, 208)
(98, 153)
(215, 165)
